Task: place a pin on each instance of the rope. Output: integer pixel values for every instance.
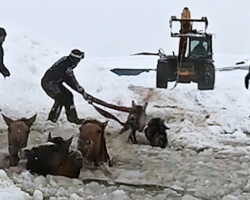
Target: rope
(178, 68)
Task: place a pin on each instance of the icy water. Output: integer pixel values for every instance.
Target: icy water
(207, 157)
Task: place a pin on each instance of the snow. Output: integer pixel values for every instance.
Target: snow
(209, 152)
(9, 190)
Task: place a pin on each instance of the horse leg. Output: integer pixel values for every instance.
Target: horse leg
(111, 162)
(107, 158)
(132, 136)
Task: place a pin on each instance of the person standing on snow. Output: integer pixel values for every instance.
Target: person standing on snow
(5, 72)
(247, 77)
(52, 84)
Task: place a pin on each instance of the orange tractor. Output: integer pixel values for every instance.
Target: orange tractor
(194, 62)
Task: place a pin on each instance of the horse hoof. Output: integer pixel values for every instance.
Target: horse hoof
(111, 162)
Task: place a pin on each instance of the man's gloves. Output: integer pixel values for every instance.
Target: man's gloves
(87, 97)
(5, 72)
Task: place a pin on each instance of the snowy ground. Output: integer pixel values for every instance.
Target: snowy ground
(209, 151)
(208, 156)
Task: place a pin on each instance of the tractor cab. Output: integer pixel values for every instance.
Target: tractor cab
(200, 46)
(193, 43)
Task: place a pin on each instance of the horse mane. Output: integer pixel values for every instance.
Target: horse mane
(92, 121)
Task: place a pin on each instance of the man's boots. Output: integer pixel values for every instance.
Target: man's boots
(55, 112)
(72, 116)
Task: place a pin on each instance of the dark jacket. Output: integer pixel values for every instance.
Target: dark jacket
(62, 71)
(247, 77)
(5, 72)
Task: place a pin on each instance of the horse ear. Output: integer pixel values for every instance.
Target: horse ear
(165, 125)
(49, 137)
(145, 106)
(68, 142)
(133, 104)
(105, 124)
(29, 121)
(7, 120)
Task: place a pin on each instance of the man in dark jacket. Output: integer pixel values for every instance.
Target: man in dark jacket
(52, 83)
(3, 70)
(247, 77)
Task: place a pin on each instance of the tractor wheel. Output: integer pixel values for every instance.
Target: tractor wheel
(166, 71)
(207, 80)
(161, 75)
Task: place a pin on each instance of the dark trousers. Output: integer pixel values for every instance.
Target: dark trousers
(63, 98)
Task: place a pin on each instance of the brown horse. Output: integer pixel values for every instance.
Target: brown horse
(18, 133)
(54, 158)
(92, 143)
(136, 121)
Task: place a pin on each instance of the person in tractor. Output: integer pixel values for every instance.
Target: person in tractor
(199, 49)
(52, 83)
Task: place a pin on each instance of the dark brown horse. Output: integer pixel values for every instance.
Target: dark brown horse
(54, 158)
(18, 133)
(92, 143)
(156, 134)
(136, 121)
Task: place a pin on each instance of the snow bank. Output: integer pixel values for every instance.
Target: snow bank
(8, 190)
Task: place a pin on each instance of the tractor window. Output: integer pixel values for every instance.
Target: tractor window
(198, 47)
